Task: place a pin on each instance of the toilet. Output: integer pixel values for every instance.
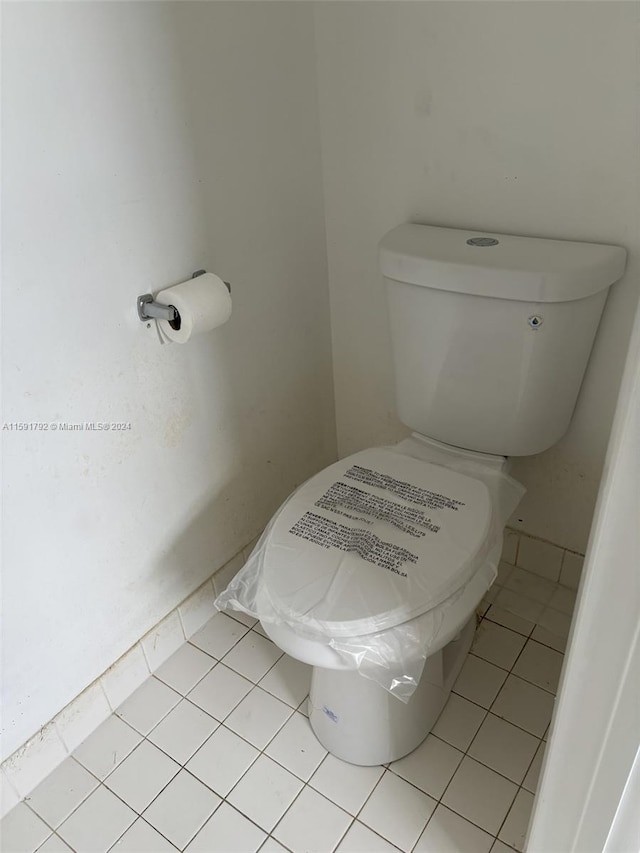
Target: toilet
(372, 571)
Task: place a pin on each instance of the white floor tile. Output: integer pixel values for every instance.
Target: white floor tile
(183, 731)
(22, 831)
(564, 600)
(62, 791)
(539, 665)
(107, 746)
(513, 602)
(296, 747)
(221, 760)
(509, 620)
(554, 622)
(303, 707)
(504, 748)
(259, 628)
(289, 680)
(227, 831)
(142, 838)
(515, 826)
(505, 567)
(571, 570)
(459, 721)
(430, 767)
(525, 705)
(258, 717)
(148, 705)
(497, 644)
(247, 620)
(141, 776)
(499, 847)
(531, 586)
(485, 603)
(447, 832)
(490, 596)
(182, 809)
(265, 792)
(479, 681)
(510, 541)
(185, 668)
(348, 785)
(361, 839)
(480, 795)
(312, 824)
(220, 691)
(397, 811)
(253, 656)
(553, 639)
(219, 635)
(98, 823)
(542, 558)
(54, 844)
(273, 846)
(533, 773)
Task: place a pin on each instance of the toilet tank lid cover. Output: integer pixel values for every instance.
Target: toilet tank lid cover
(370, 542)
(504, 266)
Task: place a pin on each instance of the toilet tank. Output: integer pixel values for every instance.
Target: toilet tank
(491, 333)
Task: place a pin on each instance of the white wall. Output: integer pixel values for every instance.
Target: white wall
(513, 117)
(141, 142)
(596, 725)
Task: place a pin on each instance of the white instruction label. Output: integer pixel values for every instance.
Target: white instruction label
(405, 518)
(330, 534)
(362, 506)
(402, 489)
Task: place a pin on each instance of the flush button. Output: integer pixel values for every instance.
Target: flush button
(482, 241)
(535, 321)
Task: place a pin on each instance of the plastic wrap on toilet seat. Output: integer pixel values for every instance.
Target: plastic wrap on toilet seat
(395, 658)
(367, 556)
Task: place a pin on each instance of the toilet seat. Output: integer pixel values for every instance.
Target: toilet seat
(373, 541)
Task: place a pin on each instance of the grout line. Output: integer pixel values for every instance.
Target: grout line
(517, 554)
(146, 660)
(362, 807)
(27, 799)
(182, 625)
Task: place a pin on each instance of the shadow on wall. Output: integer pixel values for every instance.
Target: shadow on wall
(142, 142)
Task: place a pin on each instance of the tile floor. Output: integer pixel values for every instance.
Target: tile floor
(214, 753)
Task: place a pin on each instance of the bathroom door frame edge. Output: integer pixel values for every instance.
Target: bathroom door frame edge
(591, 763)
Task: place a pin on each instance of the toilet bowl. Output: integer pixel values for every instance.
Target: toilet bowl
(349, 617)
(355, 718)
(372, 570)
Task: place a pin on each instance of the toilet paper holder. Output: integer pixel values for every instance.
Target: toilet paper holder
(149, 309)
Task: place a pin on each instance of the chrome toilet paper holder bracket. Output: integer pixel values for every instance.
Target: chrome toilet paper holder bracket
(149, 309)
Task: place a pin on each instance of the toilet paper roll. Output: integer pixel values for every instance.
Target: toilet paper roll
(203, 303)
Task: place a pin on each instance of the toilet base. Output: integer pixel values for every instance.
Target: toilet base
(362, 723)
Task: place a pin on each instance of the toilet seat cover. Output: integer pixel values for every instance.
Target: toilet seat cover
(373, 541)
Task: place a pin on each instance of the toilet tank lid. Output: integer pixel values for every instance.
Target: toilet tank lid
(502, 266)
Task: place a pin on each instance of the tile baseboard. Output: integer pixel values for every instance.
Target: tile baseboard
(22, 771)
(542, 558)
